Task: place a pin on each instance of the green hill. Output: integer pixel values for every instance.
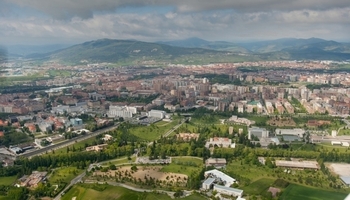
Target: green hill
(107, 50)
(131, 52)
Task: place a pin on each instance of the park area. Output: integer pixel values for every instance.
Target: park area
(144, 174)
(94, 191)
(153, 131)
(63, 175)
(184, 165)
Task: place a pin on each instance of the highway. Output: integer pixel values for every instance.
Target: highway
(65, 143)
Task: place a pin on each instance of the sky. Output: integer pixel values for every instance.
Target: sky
(75, 21)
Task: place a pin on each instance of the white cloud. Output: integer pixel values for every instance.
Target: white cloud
(239, 21)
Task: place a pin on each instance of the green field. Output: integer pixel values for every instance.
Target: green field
(86, 192)
(64, 174)
(8, 180)
(329, 147)
(119, 161)
(297, 192)
(154, 131)
(184, 165)
(60, 73)
(258, 186)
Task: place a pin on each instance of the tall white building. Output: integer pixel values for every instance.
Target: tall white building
(121, 111)
(157, 114)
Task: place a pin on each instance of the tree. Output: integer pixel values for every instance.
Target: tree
(178, 193)
(112, 167)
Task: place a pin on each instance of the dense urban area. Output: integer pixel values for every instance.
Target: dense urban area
(244, 130)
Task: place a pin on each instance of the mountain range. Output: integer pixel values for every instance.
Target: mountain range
(196, 49)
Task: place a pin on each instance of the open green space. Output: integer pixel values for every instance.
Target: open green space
(259, 120)
(329, 147)
(343, 131)
(184, 165)
(247, 174)
(154, 131)
(205, 119)
(93, 191)
(8, 180)
(60, 73)
(64, 174)
(259, 186)
(119, 161)
(297, 192)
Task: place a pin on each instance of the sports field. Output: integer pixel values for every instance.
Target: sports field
(297, 192)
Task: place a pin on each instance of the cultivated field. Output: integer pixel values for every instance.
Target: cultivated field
(259, 186)
(8, 180)
(297, 192)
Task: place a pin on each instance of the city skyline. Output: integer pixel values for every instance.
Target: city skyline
(66, 22)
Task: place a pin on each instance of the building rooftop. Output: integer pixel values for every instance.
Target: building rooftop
(345, 179)
(297, 164)
(229, 189)
(209, 181)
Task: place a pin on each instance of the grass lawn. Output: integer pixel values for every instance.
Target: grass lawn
(185, 159)
(154, 131)
(258, 186)
(119, 161)
(85, 192)
(259, 120)
(251, 172)
(64, 174)
(302, 192)
(8, 180)
(60, 73)
(184, 165)
(330, 147)
(206, 119)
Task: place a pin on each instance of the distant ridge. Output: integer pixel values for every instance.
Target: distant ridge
(108, 50)
(132, 51)
(195, 42)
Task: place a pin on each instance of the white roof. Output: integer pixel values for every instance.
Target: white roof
(345, 144)
(298, 164)
(209, 181)
(225, 178)
(235, 190)
(345, 179)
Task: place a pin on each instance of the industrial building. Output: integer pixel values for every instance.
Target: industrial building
(225, 179)
(228, 190)
(296, 132)
(216, 162)
(298, 164)
(257, 132)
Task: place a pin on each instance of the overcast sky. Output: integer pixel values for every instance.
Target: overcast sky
(76, 21)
